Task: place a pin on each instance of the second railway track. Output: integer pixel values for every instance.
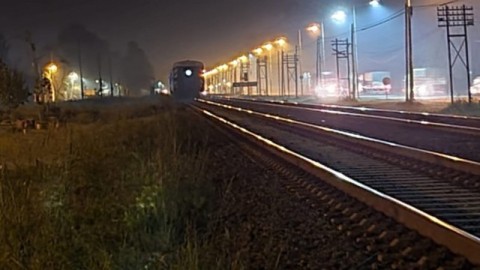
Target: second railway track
(443, 200)
(471, 122)
(461, 142)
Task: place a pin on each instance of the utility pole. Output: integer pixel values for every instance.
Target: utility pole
(283, 73)
(323, 55)
(111, 75)
(262, 75)
(452, 17)
(81, 70)
(299, 52)
(279, 73)
(39, 93)
(290, 66)
(354, 64)
(100, 82)
(409, 76)
(318, 68)
(354, 54)
(341, 50)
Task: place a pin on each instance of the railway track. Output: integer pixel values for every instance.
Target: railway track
(438, 137)
(432, 193)
(457, 121)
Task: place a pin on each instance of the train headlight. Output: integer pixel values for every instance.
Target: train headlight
(188, 72)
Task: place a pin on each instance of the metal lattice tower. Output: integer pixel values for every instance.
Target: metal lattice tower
(262, 75)
(290, 66)
(341, 50)
(456, 20)
(244, 72)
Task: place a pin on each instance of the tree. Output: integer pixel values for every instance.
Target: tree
(75, 42)
(3, 48)
(137, 72)
(13, 91)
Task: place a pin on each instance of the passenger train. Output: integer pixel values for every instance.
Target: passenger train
(186, 80)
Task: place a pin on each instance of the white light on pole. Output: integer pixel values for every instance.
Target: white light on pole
(339, 16)
(73, 76)
(317, 30)
(374, 3)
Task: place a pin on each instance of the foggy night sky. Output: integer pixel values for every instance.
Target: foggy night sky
(210, 30)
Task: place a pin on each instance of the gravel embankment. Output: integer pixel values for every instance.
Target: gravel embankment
(269, 220)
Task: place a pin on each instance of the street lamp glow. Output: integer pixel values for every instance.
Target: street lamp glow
(281, 41)
(258, 51)
(339, 16)
(374, 3)
(243, 59)
(234, 63)
(73, 76)
(223, 67)
(313, 28)
(52, 68)
(268, 46)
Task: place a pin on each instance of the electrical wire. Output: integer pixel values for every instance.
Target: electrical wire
(435, 5)
(401, 13)
(383, 21)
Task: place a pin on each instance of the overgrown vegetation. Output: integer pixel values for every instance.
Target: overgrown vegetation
(13, 90)
(131, 190)
(463, 108)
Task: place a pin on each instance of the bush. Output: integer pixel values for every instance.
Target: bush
(131, 194)
(13, 91)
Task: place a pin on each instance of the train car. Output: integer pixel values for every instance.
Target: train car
(186, 80)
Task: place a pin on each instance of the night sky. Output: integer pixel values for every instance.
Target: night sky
(210, 30)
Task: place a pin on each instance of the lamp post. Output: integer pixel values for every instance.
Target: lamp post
(340, 17)
(269, 48)
(300, 53)
(319, 31)
(409, 76)
(51, 70)
(281, 43)
(73, 76)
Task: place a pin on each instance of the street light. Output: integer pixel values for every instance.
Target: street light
(409, 77)
(268, 46)
(281, 42)
(317, 30)
(340, 16)
(374, 3)
(243, 59)
(52, 68)
(73, 76)
(258, 51)
(313, 28)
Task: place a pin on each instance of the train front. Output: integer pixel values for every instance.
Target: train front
(186, 80)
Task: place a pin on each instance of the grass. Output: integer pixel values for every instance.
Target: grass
(463, 108)
(118, 187)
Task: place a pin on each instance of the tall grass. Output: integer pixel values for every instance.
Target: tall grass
(462, 107)
(130, 192)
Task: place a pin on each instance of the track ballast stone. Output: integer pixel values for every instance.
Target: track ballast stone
(274, 216)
